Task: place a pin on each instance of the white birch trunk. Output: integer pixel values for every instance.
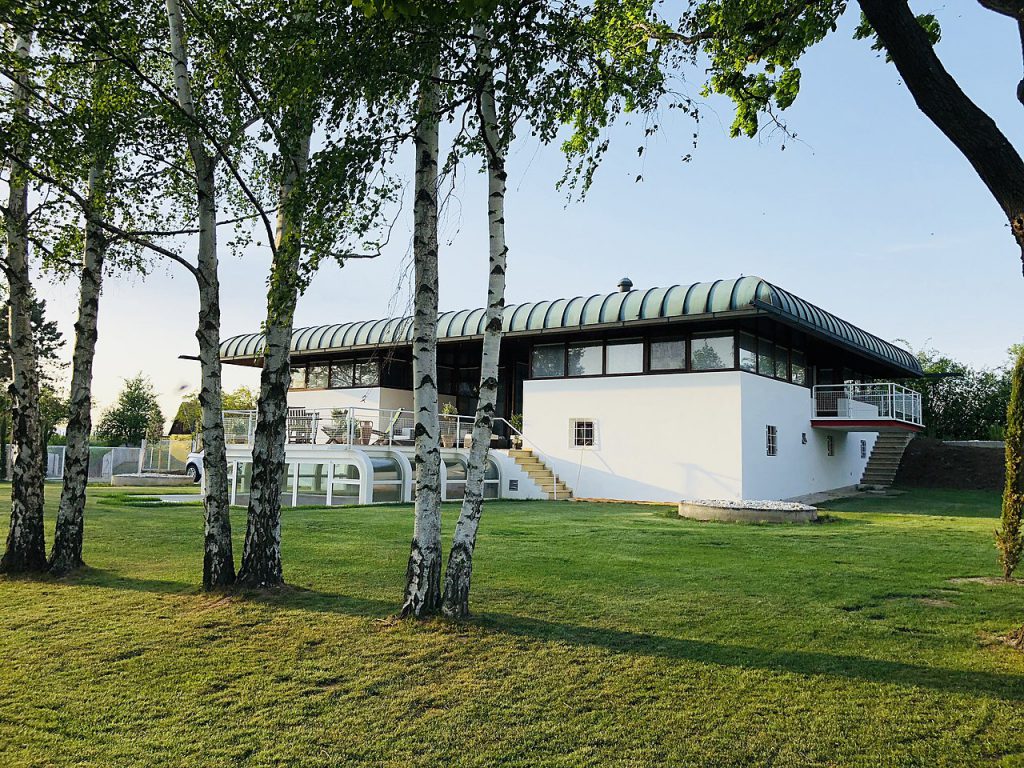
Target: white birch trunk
(218, 557)
(460, 558)
(66, 554)
(423, 574)
(26, 547)
(261, 556)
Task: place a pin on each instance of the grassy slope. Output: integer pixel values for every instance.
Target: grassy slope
(606, 635)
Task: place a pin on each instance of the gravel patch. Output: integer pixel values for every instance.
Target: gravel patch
(776, 506)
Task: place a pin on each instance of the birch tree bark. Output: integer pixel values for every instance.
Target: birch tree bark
(261, 556)
(460, 559)
(423, 574)
(66, 554)
(218, 557)
(26, 547)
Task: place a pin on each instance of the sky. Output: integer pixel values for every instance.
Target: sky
(870, 213)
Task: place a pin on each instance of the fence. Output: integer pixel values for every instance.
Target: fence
(349, 426)
(103, 462)
(867, 402)
(167, 456)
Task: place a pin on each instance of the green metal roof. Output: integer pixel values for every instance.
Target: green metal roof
(741, 295)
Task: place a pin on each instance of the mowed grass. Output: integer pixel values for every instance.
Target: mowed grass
(604, 635)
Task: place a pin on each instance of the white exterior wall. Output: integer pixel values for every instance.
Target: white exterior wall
(668, 437)
(798, 469)
(663, 437)
(326, 399)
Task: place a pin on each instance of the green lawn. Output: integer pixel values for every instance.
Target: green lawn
(604, 635)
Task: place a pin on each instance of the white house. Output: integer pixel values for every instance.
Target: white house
(734, 389)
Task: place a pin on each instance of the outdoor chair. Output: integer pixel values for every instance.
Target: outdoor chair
(301, 426)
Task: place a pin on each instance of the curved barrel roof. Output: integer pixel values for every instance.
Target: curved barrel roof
(721, 296)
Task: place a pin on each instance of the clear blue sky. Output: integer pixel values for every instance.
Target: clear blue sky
(871, 214)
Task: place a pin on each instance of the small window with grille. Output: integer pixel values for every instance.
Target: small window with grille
(583, 433)
(863, 449)
(771, 440)
(830, 445)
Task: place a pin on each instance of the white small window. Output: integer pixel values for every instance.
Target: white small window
(863, 449)
(830, 445)
(583, 433)
(771, 440)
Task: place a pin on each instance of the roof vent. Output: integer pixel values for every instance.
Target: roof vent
(625, 285)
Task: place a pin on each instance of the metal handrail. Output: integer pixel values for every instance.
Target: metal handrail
(891, 401)
(352, 425)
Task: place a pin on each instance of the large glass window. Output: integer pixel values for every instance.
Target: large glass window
(585, 359)
(455, 488)
(798, 368)
(548, 361)
(243, 481)
(313, 484)
(298, 377)
(711, 353)
(625, 357)
(748, 353)
(367, 373)
(782, 363)
(317, 378)
(387, 479)
(341, 374)
(668, 355)
(491, 480)
(345, 484)
(765, 357)
(287, 485)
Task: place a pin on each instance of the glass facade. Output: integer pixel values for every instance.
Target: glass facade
(624, 357)
(548, 361)
(345, 485)
(711, 353)
(584, 360)
(668, 355)
(720, 351)
(748, 353)
(337, 375)
(313, 485)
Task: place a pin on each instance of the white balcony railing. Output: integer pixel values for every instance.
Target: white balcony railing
(348, 426)
(881, 401)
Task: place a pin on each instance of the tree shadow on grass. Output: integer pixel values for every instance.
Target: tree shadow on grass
(997, 685)
(812, 663)
(288, 597)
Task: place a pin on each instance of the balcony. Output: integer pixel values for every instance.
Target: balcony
(878, 407)
(376, 427)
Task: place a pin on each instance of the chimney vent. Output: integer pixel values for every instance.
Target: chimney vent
(625, 285)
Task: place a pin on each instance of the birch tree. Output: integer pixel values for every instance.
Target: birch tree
(218, 557)
(568, 63)
(455, 601)
(423, 573)
(93, 164)
(26, 548)
(307, 70)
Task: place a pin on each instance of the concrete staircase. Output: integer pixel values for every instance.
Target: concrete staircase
(885, 458)
(539, 472)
